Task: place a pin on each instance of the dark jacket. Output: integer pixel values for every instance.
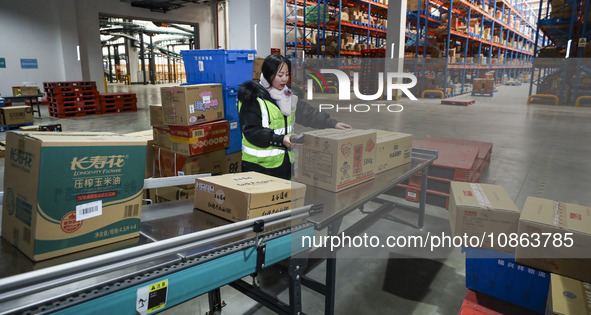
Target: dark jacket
(252, 126)
(251, 118)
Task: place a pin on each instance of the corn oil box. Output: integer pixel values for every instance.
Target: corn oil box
(66, 192)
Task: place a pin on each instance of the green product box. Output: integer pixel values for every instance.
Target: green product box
(66, 192)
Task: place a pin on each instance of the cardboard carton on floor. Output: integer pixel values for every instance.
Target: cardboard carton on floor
(475, 209)
(168, 163)
(199, 139)
(568, 296)
(393, 149)
(65, 192)
(192, 104)
(555, 219)
(248, 195)
(17, 115)
(337, 159)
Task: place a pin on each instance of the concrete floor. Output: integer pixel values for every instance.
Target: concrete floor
(538, 150)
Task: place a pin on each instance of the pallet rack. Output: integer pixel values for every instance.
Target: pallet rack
(567, 30)
(493, 35)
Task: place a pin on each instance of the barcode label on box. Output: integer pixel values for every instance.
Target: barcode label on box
(89, 210)
(131, 211)
(198, 133)
(411, 194)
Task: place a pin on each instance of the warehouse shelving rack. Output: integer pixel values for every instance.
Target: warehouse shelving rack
(510, 27)
(567, 29)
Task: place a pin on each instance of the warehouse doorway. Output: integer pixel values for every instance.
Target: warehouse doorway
(137, 51)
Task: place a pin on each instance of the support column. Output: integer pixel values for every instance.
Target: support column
(395, 37)
(244, 15)
(152, 62)
(132, 61)
(143, 59)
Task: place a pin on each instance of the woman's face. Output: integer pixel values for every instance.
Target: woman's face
(281, 78)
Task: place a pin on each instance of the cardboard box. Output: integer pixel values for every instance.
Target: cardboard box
(258, 64)
(66, 192)
(568, 296)
(162, 137)
(243, 196)
(557, 218)
(17, 115)
(233, 163)
(393, 149)
(168, 163)
(166, 194)
(335, 159)
(157, 116)
(192, 104)
(195, 140)
(478, 208)
(25, 90)
(148, 136)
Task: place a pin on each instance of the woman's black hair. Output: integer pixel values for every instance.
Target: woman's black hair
(271, 66)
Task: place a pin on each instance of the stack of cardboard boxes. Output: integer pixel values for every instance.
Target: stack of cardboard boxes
(520, 250)
(190, 134)
(483, 86)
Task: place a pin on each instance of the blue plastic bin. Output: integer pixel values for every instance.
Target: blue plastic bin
(235, 137)
(231, 103)
(228, 67)
(497, 274)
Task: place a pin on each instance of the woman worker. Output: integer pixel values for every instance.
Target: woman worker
(268, 111)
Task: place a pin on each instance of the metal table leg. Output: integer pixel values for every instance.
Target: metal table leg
(423, 197)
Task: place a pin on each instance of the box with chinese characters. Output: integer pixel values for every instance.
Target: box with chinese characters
(189, 105)
(247, 195)
(65, 192)
(497, 274)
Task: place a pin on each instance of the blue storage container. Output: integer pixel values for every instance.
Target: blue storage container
(497, 274)
(235, 137)
(228, 67)
(231, 103)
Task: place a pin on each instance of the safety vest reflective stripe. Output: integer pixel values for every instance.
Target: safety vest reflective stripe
(264, 113)
(281, 131)
(262, 153)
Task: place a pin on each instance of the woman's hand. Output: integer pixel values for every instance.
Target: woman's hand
(287, 141)
(342, 126)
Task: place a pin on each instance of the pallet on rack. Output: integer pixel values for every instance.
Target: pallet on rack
(458, 101)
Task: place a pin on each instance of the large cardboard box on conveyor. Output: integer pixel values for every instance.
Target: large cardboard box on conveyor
(203, 138)
(564, 233)
(248, 195)
(189, 105)
(475, 209)
(65, 192)
(168, 163)
(335, 159)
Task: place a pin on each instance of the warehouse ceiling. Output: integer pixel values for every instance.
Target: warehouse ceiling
(164, 5)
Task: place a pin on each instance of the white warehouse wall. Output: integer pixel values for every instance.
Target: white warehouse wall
(50, 30)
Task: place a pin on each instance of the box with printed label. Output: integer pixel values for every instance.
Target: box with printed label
(560, 237)
(475, 209)
(16, 115)
(335, 159)
(568, 296)
(162, 137)
(195, 140)
(66, 192)
(168, 163)
(393, 149)
(233, 163)
(157, 116)
(192, 104)
(243, 196)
